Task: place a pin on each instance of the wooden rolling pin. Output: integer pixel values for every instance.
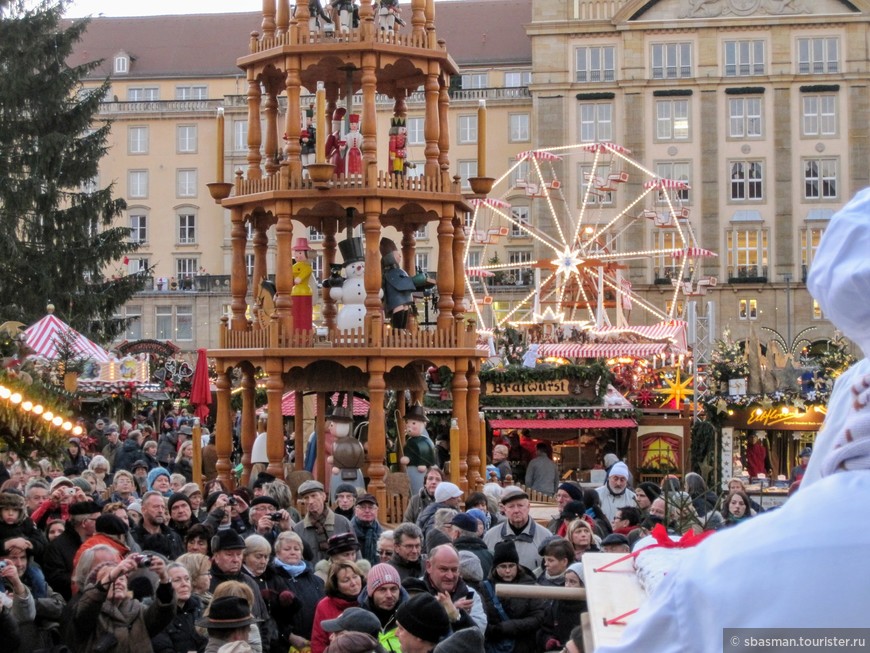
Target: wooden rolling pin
(509, 590)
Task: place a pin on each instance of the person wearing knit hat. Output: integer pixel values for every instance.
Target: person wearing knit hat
(159, 481)
(467, 640)
(345, 500)
(422, 623)
(447, 495)
(110, 531)
(614, 494)
(646, 493)
(565, 493)
(180, 511)
(383, 596)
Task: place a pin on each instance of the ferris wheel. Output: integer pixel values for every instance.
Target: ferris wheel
(574, 271)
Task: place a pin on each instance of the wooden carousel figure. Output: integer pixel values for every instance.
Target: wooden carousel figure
(301, 293)
(335, 142)
(419, 451)
(308, 141)
(398, 286)
(345, 454)
(389, 16)
(354, 140)
(398, 145)
(347, 13)
(318, 20)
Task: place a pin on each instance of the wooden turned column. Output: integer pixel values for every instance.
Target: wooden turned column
(458, 269)
(223, 436)
(329, 245)
(255, 137)
(275, 422)
(459, 389)
(368, 124)
(432, 123)
(373, 278)
(261, 247)
(248, 426)
(268, 24)
(475, 452)
(444, 133)
(445, 272)
(418, 20)
(284, 266)
(282, 19)
(377, 441)
(293, 123)
(271, 111)
(238, 275)
(300, 437)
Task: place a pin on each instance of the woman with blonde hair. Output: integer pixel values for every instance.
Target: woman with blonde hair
(290, 572)
(101, 468)
(199, 569)
(184, 461)
(582, 538)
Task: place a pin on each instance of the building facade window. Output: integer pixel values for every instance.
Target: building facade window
(421, 232)
(672, 120)
(747, 253)
(196, 92)
(744, 117)
(143, 94)
(518, 79)
(747, 181)
(820, 179)
(137, 184)
(594, 188)
(747, 309)
(186, 229)
(474, 81)
(240, 135)
(666, 266)
(520, 214)
(186, 267)
(467, 129)
(416, 134)
(138, 265)
(671, 60)
(184, 322)
(133, 315)
(421, 261)
(522, 260)
(817, 310)
(249, 265)
(595, 63)
(185, 182)
(122, 64)
(314, 236)
(811, 236)
(185, 139)
(596, 122)
(137, 139)
(467, 169)
(819, 54)
(819, 115)
(680, 170)
(744, 58)
(138, 228)
(519, 128)
(317, 267)
(163, 322)
(519, 172)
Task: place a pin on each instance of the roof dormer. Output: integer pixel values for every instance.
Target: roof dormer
(121, 65)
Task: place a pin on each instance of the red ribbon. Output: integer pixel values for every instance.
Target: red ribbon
(660, 535)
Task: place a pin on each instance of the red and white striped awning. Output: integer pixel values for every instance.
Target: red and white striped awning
(42, 338)
(490, 201)
(540, 155)
(694, 252)
(569, 423)
(288, 405)
(473, 273)
(603, 349)
(603, 148)
(666, 184)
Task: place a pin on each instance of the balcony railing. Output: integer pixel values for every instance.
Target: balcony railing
(747, 274)
(160, 106)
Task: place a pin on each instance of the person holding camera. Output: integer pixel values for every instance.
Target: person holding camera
(266, 518)
(106, 619)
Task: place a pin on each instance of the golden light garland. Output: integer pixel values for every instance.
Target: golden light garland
(26, 405)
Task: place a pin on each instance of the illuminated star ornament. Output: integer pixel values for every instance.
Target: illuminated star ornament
(677, 391)
(567, 262)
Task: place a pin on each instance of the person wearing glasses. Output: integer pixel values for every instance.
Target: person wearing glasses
(366, 527)
(386, 546)
(408, 553)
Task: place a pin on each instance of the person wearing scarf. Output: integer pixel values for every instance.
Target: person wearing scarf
(320, 522)
(343, 587)
(367, 528)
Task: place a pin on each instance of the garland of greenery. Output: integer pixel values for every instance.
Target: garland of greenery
(26, 433)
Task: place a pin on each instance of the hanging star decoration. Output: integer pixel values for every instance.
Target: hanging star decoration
(678, 390)
(645, 397)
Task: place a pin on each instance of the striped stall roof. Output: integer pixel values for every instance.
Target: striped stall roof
(602, 349)
(288, 405)
(571, 423)
(42, 339)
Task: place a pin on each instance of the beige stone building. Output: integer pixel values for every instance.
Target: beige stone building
(759, 105)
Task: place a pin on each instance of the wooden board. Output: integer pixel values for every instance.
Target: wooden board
(610, 593)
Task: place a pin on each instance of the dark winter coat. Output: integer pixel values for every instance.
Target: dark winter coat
(128, 454)
(477, 547)
(44, 631)
(526, 615)
(181, 634)
(258, 609)
(58, 560)
(167, 543)
(167, 448)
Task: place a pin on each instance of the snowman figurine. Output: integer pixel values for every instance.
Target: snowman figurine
(351, 293)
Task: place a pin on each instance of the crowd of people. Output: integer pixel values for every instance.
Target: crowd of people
(118, 550)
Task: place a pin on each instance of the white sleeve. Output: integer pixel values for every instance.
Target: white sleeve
(478, 614)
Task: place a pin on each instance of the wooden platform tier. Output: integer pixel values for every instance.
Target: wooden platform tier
(333, 342)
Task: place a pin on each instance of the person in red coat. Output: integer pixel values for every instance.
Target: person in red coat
(343, 587)
(757, 461)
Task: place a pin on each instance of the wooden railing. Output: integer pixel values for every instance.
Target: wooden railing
(384, 180)
(304, 37)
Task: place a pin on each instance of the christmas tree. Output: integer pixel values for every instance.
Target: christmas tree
(59, 239)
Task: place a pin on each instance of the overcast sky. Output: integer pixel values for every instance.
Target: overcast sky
(80, 8)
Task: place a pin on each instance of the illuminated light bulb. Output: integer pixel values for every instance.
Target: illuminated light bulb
(38, 409)
(77, 430)
(16, 398)
(5, 392)
(67, 426)
(730, 412)
(47, 416)
(27, 405)
(785, 410)
(57, 421)
(758, 411)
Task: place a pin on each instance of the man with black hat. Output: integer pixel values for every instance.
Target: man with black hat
(153, 533)
(366, 527)
(228, 550)
(57, 563)
(465, 538)
(567, 491)
(181, 517)
(320, 522)
(422, 623)
(357, 620)
(228, 620)
(266, 518)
